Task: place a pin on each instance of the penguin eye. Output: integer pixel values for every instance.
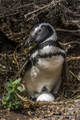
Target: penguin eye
(39, 30)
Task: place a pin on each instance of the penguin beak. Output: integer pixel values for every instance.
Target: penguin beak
(30, 40)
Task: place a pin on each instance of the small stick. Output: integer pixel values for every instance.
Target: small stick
(26, 61)
(73, 42)
(74, 75)
(73, 58)
(71, 31)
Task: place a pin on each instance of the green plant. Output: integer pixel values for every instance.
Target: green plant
(11, 100)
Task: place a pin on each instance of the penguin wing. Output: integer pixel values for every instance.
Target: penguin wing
(65, 71)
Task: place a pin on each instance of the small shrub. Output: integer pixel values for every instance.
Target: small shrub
(11, 100)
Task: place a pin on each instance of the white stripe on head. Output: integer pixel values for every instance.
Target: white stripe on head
(54, 36)
(47, 24)
(35, 30)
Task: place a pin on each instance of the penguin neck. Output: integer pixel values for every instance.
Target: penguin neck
(51, 38)
(47, 43)
(50, 41)
(47, 48)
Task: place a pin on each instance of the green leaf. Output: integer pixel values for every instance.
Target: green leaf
(10, 90)
(8, 108)
(7, 84)
(6, 98)
(9, 104)
(11, 81)
(3, 100)
(19, 88)
(17, 81)
(13, 62)
(16, 106)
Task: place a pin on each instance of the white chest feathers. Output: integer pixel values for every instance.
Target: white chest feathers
(51, 63)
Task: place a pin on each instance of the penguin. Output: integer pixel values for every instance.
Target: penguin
(46, 60)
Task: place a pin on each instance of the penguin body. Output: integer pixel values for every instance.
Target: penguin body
(43, 71)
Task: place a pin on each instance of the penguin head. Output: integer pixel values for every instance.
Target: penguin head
(40, 32)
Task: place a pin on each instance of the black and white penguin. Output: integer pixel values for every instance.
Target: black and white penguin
(44, 69)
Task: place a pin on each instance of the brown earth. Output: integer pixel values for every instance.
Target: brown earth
(16, 19)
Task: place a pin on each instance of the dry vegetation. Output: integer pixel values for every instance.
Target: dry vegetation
(16, 19)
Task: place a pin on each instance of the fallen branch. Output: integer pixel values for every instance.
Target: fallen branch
(64, 30)
(73, 58)
(72, 42)
(24, 99)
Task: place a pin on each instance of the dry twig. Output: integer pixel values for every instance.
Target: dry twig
(72, 42)
(73, 58)
(53, 4)
(65, 30)
(14, 56)
(74, 75)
